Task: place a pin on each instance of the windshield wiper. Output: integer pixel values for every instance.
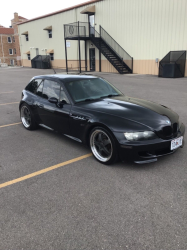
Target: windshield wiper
(87, 100)
(111, 95)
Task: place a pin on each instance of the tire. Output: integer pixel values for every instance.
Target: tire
(27, 117)
(103, 145)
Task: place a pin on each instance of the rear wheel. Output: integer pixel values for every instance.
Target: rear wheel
(27, 117)
(103, 145)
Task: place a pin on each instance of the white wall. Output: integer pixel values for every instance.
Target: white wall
(146, 29)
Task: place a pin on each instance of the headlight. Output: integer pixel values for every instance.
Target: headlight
(140, 136)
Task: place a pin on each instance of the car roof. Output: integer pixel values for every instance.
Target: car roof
(67, 78)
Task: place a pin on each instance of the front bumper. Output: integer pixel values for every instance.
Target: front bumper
(145, 151)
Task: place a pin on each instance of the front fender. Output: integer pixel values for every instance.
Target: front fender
(112, 123)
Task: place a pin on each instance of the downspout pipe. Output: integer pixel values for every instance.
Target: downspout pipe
(2, 48)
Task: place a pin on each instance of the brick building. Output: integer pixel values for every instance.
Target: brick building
(9, 42)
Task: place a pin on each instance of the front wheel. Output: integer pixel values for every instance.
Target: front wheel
(103, 146)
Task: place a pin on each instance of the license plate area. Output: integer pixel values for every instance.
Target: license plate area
(176, 143)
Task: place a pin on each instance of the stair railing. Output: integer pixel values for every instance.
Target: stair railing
(83, 29)
(125, 57)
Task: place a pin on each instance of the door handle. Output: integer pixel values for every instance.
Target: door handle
(41, 106)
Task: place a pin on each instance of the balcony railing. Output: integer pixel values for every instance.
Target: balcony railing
(79, 29)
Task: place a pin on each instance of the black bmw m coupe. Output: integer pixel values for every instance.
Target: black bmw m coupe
(90, 110)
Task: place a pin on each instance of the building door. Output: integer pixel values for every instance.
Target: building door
(12, 62)
(92, 59)
(37, 51)
(91, 19)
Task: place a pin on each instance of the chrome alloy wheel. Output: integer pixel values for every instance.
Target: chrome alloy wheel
(101, 145)
(25, 117)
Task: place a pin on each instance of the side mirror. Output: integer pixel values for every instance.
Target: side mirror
(63, 102)
(53, 100)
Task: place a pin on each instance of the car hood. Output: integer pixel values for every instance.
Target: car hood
(141, 111)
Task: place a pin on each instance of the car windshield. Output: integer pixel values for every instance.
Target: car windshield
(91, 89)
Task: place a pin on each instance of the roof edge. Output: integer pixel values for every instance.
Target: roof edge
(6, 31)
(61, 11)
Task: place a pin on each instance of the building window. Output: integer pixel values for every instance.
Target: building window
(9, 39)
(11, 62)
(10, 51)
(15, 51)
(13, 39)
(27, 37)
(52, 56)
(28, 56)
(50, 33)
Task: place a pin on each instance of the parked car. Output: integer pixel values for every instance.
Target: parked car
(91, 110)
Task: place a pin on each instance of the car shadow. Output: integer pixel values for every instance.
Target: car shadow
(160, 163)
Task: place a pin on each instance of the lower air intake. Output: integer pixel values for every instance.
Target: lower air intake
(167, 131)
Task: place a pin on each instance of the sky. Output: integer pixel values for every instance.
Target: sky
(33, 8)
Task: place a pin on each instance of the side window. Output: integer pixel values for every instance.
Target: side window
(63, 96)
(10, 51)
(51, 89)
(33, 85)
(39, 89)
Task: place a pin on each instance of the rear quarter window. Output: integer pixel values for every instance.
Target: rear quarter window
(33, 85)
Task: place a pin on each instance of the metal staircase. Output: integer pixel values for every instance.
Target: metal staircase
(106, 45)
(113, 52)
(111, 55)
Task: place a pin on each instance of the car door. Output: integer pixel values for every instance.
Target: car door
(62, 113)
(54, 116)
(78, 122)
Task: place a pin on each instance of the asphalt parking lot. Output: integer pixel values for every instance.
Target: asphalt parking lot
(81, 204)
